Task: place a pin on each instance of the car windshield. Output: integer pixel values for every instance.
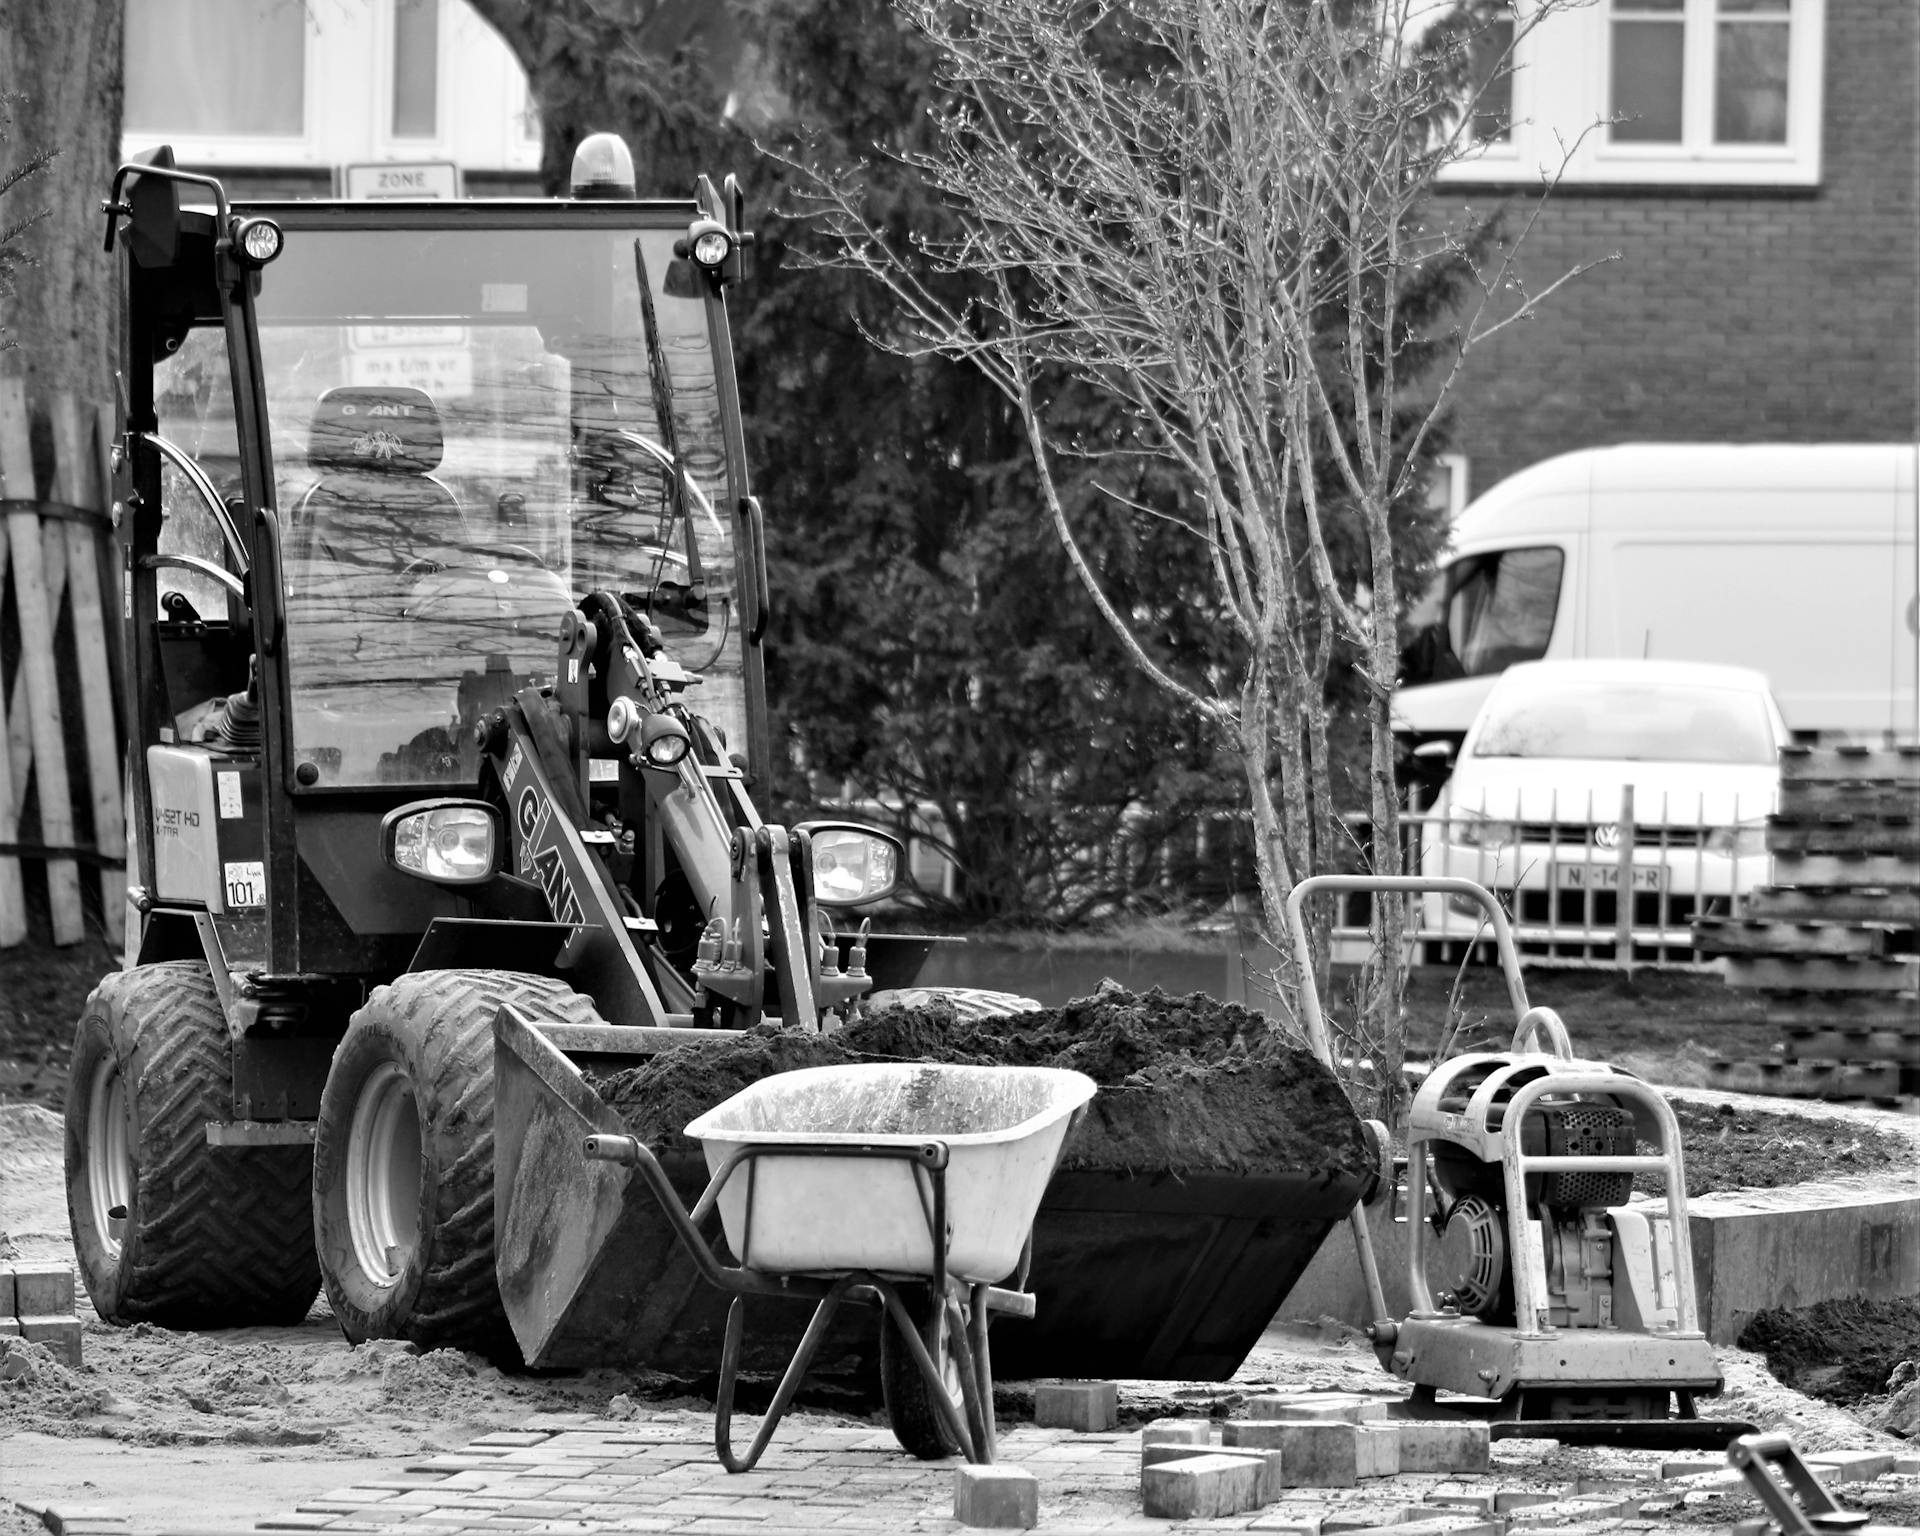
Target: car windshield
(1633, 722)
(471, 430)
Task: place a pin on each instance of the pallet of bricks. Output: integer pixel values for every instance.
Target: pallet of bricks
(1831, 942)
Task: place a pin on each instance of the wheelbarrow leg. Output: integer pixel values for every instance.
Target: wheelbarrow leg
(979, 1407)
(977, 1321)
(789, 1383)
(957, 1425)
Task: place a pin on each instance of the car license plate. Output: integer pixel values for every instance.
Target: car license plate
(1606, 877)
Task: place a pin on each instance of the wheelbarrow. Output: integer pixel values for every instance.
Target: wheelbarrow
(873, 1184)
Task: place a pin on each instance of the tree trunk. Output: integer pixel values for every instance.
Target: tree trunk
(64, 60)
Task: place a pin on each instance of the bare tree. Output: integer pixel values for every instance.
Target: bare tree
(1212, 210)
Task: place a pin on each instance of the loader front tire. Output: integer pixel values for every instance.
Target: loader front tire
(166, 1228)
(403, 1158)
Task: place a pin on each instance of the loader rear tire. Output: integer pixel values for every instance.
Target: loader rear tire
(403, 1159)
(211, 1237)
(917, 1421)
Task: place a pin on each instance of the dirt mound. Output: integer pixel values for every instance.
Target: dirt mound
(34, 1381)
(1847, 1351)
(1730, 1146)
(1188, 1084)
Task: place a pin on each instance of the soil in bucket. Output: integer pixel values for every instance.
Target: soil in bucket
(1189, 1085)
(1209, 1167)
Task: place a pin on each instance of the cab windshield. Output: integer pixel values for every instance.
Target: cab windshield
(472, 428)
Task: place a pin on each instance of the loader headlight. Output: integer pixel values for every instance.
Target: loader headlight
(451, 842)
(851, 864)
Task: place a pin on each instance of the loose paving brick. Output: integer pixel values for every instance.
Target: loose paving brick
(1083, 1405)
(1318, 1407)
(1462, 1496)
(1453, 1445)
(1202, 1487)
(1006, 1497)
(1317, 1455)
(1850, 1466)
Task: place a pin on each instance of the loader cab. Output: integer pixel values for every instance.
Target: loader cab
(374, 455)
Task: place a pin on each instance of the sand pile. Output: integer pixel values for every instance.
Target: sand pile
(1188, 1084)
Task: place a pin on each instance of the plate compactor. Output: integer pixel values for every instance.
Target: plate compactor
(1542, 1295)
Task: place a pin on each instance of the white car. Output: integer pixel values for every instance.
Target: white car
(1562, 756)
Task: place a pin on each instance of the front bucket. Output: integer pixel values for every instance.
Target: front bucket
(1143, 1274)
(1165, 1278)
(590, 1270)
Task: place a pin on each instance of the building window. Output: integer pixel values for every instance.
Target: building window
(1490, 62)
(1651, 92)
(1649, 50)
(1753, 48)
(230, 67)
(416, 69)
(1700, 71)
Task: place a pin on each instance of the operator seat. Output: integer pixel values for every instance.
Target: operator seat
(377, 507)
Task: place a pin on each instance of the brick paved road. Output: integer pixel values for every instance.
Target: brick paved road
(569, 1475)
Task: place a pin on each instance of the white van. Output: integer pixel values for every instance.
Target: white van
(1799, 560)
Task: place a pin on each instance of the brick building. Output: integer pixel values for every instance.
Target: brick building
(1762, 189)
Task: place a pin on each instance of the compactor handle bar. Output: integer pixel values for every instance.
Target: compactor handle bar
(1440, 885)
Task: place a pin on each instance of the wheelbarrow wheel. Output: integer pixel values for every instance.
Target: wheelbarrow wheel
(918, 1423)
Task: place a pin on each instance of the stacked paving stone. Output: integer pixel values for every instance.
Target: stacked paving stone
(36, 1304)
(1295, 1442)
(1831, 942)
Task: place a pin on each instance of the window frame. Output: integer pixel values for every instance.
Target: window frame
(349, 59)
(252, 148)
(1562, 84)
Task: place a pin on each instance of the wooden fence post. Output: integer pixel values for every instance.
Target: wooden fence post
(39, 578)
(77, 483)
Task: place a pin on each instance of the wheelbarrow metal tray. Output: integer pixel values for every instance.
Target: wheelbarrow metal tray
(820, 1214)
(590, 1270)
(1165, 1278)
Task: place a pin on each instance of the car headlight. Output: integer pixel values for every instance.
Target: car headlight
(1745, 841)
(851, 864)
(1475, 829)
(451, 842)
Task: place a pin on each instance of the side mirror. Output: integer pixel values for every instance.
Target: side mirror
(153, 205)
(1434, 754)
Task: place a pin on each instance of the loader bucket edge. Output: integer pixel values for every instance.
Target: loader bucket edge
(590, 1270)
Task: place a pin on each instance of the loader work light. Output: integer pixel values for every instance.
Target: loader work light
(851, 865)
(450, 842)
(258, 241)
(664, 741)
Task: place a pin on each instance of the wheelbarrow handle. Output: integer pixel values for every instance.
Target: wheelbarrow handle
(631, 1152)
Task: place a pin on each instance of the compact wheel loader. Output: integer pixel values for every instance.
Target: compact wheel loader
(444, 598)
